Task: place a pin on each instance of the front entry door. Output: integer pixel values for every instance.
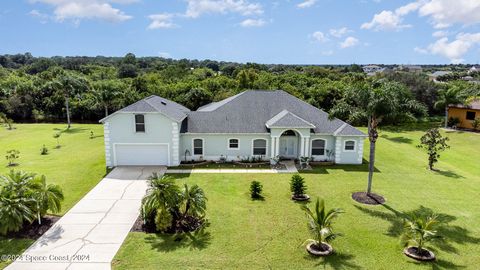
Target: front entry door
(288, 146)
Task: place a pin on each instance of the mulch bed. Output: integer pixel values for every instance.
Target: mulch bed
(372, 198)
(34, 230)
(423, 255)
(190, 224)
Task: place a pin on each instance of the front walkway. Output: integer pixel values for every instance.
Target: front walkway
(289, 164)
(90, 234)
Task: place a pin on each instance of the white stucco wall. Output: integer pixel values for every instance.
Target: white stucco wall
(158, 129)
(215, 145)
(329, 145)
(343, 156)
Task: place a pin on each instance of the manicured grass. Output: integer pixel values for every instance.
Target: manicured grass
(77, 166)
(246, 234)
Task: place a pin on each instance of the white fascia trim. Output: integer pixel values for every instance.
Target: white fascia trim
(119, 112)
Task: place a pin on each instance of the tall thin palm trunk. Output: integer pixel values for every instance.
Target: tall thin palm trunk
(68, 112)
(106, 110)
(372, 136)
(446, 116)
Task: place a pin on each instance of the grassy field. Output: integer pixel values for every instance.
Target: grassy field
(269, 234)
(77, 166)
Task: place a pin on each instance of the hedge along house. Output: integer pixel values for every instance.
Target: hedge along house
(465, 113)
(262, 124)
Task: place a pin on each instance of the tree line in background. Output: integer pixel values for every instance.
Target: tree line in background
(89, 88)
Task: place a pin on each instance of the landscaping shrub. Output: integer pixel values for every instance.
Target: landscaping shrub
(419, 230)
(25, 197)
(453, 121)
(434, 143)
(12, 156)
(57, 137)
(297, 185)
(256, 190)
(44, 150)
(169, 208)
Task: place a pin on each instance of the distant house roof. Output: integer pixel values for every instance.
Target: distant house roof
(288, 119)
(474, 105)
(158, 104)
(250, 111)
(440, 73)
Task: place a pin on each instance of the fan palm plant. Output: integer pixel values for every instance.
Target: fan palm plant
(320, 224)
(419, 231)
(47, 197)
(194, 201)
(446, 96)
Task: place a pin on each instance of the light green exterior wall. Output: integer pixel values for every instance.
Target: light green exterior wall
(349, 157)
(215, 145)
(120, 128)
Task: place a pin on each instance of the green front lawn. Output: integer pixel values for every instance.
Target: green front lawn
(77, 166)
(245, 234)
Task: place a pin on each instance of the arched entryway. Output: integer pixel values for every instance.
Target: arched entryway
(289, 144)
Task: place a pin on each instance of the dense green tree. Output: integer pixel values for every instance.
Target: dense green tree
(105, 92)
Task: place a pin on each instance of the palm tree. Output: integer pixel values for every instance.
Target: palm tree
(105, 93)
(47, 197)
(194, 201)
(16, 203)
(320, 222)
(373, 103)
(420, 230)
(163, 193)
(446, 96)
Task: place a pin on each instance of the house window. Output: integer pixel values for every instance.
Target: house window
(233, 144)
(198, 147)
(318, 147)
(471, 115)
(349, 146)
(260, 147)
(139, 123)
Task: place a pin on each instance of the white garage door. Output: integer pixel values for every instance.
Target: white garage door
(141, 154)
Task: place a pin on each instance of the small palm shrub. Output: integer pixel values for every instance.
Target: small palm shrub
(92, 135)
(256, 190)
(57, 137)
(297, 185)
(12, 156)
(169, 208)
(320, 225)
(476, 123)
(418, 231)
(25, 197)
(44, 150)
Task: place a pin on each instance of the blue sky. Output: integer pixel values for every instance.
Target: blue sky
(282, 31)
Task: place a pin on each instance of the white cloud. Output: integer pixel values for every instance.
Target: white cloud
(391, 20)
(349, 42)
(420, 50)
(319, 36)
(454, 50)
(196, 8)
(252, 23)
(43, 18)
(307, 3)
(338, 33)
(444, 13)
(439, 34)
(161, 21)
(77, 10)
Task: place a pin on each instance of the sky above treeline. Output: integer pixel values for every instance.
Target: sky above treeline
(277, 32)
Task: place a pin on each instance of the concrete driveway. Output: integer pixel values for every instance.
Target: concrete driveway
(90, 234)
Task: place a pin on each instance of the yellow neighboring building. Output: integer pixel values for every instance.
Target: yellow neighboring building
(465, 113)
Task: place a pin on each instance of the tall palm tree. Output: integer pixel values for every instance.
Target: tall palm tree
(105, 93)
(449, 95)
(194, 199)
(372, 103)
(47, 197)
(320, 222)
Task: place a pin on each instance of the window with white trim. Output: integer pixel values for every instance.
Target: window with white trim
(260, 147)
(198, 147)
(233, 144)
(139, 123)
(349, 146)
(318, 147)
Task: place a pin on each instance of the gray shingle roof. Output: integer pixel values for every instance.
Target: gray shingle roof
(250, 111)
(288, 119)
(164, 106)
